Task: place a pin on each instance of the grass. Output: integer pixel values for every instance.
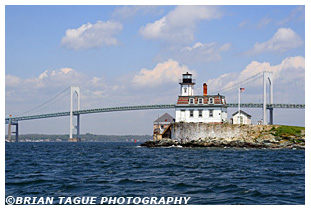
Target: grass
(285, 130)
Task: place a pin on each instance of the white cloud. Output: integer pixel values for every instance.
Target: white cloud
(283, 40)
(37, 90)
(11, 80)
(169, 71)
(287, 75)
(244, 23)
(63, 77)
(179, 24)
(264, 22)
(92, 35)
(205, 52)
(297, 14)
(125, 12)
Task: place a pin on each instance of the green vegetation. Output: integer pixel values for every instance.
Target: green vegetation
(285, 130)
(292, 134)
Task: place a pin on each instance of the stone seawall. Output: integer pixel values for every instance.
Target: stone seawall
(229, 135)
(199, 131)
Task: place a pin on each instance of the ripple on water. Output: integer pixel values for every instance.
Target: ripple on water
(207, 175)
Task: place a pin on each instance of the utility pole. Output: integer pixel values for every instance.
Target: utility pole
(239, 104)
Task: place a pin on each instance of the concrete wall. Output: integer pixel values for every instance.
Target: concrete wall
(196, 131)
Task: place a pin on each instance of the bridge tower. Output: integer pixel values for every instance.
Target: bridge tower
(74, 90)
(267, 77)
(12, 122)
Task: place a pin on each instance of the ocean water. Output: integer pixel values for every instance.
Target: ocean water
(207, 175)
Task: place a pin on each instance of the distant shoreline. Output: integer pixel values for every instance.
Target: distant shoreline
(84, 137)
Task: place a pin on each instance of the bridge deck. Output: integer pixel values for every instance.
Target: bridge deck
(146, 107)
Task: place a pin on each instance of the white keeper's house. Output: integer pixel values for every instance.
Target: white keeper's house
(199, 108)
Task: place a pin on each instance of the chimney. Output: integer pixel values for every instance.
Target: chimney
(204, 89)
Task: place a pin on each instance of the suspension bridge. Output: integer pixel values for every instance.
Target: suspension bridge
(266, 76)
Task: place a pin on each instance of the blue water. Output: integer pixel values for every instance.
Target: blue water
(207, 175)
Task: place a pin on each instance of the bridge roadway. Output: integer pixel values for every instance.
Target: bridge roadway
(145, 107)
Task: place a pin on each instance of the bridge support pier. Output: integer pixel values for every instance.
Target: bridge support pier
(74, 90)
(267, 76)
(10, 131)
(78, 127)
(271, 116)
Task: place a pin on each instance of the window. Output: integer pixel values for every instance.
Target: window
(191, 112)
(210, 113)
(191, 100)
(200, 113)
(185, 90)
(211, 100)
(200, 100)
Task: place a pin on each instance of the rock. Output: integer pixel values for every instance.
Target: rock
(250, 136)
(284, 143)
(268, 137)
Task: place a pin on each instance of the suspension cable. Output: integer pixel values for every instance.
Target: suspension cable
(44, 102)
(106, 98)
(55, 101)
(246, 81)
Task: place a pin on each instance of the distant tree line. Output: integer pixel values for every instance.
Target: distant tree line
(86, 137)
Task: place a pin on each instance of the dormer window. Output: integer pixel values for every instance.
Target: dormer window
(200, 100)
(191, 100)
(211, 100)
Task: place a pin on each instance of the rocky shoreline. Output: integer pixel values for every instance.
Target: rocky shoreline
(270, 137)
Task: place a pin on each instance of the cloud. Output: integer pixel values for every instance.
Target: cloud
(244, 23)
(179, 24)
(11, 80)
(169, 71)
(37, 90)
(59, 78)
(203, 52)
(297, 14)
(25, 94)
(197, 53)
(283, 40)
(264, 22)
(92, 35)
(47, 80)
(288, 78)
(125, 12)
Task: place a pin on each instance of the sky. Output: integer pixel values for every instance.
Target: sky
(135, 55)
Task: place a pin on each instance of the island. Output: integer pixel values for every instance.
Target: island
(232, 135)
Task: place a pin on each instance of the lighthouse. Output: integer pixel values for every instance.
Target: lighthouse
(186, 85)
(195, 108)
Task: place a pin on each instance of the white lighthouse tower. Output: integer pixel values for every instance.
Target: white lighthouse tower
(203, 108)
(186, 85)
